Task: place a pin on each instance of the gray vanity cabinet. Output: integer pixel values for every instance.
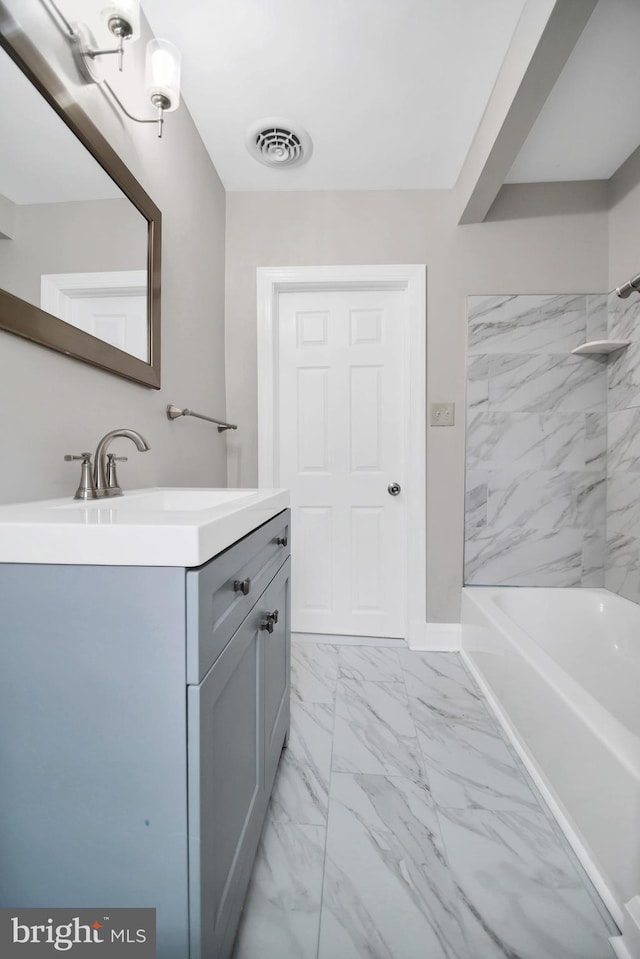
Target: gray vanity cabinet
(277, 668)
(142, 715)
(238, 721)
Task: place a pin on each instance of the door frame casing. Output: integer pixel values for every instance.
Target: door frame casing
(408, 278)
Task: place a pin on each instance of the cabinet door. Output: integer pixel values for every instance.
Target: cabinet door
(226, 789)
(276, 670)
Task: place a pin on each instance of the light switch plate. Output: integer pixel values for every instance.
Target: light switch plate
(443, 414)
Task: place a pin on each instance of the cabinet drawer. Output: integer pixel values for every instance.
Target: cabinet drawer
(223, 591)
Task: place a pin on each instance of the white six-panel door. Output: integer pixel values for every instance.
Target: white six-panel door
(342, 391)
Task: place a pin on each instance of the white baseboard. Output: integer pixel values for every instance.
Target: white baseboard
(619, 948)
(428, 637)
(435, 637)
(339, 640)
(627, 946)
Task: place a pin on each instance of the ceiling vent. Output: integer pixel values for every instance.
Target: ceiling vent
(277, 142)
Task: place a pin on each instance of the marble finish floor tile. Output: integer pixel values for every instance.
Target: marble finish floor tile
(301, 790)
(404, 826)
(388, 893)
(519, 893)
(282, 910)
(314, 672)
(374, 663)
(471, 768)
(441, 689)
(374, 731)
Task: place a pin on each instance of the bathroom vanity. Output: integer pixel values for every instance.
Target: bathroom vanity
(143, 705)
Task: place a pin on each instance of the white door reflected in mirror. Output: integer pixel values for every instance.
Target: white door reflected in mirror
(110, 305)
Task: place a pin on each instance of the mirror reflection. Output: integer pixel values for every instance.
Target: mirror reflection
(71, 243)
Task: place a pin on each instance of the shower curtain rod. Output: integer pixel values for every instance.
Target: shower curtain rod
(626, 289)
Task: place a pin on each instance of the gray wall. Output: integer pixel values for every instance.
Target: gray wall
(536, 442)
(53, 405)
(537, 240)
(62, 238)
(624, 217)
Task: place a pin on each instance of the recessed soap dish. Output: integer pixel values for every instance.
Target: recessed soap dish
(600, 346)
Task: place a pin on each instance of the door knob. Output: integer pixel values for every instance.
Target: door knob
(394, 488)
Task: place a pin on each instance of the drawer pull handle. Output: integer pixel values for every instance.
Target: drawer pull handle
(269, 622)
(242, 586)
(282, 541)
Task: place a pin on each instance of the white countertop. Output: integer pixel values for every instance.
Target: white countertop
(162, 526)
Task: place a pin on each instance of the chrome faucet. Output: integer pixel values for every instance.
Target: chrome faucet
(104, 480)
(100, 480)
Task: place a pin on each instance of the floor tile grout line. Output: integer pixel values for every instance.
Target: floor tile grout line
(326, 831)
(445, 852)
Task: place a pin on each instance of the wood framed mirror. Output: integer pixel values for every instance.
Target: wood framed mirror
(80, 239)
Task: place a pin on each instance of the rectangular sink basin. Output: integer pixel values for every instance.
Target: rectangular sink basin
(162, 526)
(164, 500)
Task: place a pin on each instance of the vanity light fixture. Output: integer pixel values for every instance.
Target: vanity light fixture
(162, 76)
(162, 69)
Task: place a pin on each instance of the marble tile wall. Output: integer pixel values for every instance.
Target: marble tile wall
(536, 441)
(623, 451)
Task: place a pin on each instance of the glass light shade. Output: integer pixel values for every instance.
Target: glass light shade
(163, 72)
(128, 10)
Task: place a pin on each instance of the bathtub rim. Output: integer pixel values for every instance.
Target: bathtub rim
(556, 808)
(610, 730)
(482, 610)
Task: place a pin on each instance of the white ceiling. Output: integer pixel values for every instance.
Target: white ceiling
(590, 122)
(390, 91)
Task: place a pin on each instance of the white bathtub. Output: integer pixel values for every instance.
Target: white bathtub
(562, 669)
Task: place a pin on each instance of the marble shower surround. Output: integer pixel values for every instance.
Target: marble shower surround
(536, 441)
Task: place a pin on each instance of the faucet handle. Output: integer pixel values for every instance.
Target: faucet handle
(112, 478)
(85, 457)
(86, 489)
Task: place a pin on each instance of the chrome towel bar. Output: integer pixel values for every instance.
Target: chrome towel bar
(631, 286)
(173, 413)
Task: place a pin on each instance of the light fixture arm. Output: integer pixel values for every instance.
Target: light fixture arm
(119, 27)
(62, 20)
(122, 30)
(161, 103)
(105, 53)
